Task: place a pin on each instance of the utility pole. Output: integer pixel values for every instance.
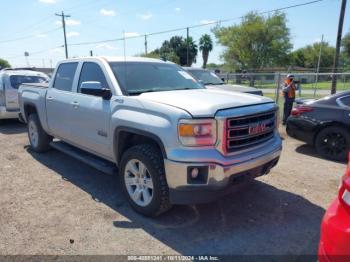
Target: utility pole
(318, 65)
(63, 16)
(146, 44)
(337, 48)
(188, 46)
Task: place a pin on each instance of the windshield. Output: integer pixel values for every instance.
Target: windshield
(17, 80)
(140, 77)
(207, 77)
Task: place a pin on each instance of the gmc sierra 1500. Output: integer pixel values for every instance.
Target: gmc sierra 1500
(171, 140)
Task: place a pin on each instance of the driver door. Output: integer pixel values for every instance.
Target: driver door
(91, 114)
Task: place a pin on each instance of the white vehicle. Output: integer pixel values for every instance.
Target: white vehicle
(10, 80)
(172, 140)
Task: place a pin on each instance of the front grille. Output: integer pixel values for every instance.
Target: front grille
(248, 131)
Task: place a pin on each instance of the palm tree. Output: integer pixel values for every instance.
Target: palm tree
(205, 46)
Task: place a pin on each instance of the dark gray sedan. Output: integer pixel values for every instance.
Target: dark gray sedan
(212, 81)
(325, 124)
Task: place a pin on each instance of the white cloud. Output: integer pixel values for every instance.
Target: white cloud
(106, 46)
(177, 9)
(106, 12)
(69, 22)
(73, 34)
(72, 22)
(48, 1)
(131, 34)
(146, 16)
(205, 22)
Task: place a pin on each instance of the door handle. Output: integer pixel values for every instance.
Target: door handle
(75, 104)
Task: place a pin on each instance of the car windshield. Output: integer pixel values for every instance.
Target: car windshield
(207, 77)
(17, 80)
(139, 77)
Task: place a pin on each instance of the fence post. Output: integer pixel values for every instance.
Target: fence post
(277, 94)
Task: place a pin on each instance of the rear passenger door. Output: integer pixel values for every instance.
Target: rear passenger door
(91, 114)
(59, 101)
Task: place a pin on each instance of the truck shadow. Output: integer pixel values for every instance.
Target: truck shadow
(12, 127)
(260, 219)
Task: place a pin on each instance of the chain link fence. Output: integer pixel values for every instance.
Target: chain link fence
(312, 85)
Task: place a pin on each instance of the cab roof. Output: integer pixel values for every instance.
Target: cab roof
(115, 59)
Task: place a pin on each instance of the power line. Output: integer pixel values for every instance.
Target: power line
(27, 37)
(217, 22)
(34, 53)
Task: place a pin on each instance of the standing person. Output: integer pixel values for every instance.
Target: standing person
(288, 90)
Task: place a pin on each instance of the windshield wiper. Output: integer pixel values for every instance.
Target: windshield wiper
(138, 92)
(213, 84)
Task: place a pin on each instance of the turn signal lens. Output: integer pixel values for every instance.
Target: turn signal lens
(197, 132)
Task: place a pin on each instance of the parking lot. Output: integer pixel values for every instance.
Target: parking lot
(53, 204)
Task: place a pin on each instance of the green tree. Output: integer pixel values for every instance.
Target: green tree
(4, 63)
(175, 50)
(345, 54)
(256, 42)
(308, 56)
(346, 45)
(205, 46)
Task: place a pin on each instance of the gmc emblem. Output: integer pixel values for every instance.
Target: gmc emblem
(257, 129)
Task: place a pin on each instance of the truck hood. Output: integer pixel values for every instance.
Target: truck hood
(204, 102)
(237, 88)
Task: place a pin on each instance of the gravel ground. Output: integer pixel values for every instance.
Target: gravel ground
(53, 204)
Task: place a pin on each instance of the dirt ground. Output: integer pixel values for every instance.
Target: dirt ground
(53, 204)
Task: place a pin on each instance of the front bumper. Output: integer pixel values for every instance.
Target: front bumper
(335, 234)
(220, 177)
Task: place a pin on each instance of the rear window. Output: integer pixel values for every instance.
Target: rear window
(345, 100)
(65, 76)
(17, 80)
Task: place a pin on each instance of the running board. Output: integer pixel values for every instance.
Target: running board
(96, 162)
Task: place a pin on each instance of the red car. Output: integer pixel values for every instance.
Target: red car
(335, 228)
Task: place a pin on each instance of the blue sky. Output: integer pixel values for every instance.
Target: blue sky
(37, 30)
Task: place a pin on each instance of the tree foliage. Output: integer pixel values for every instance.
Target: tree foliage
(256, 42)
(175, 50)
(205, 46)
(4, 63)
(346, 45)
(308, 56)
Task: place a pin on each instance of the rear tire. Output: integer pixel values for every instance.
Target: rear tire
(143, 180)
(38, 138)
(333, 143)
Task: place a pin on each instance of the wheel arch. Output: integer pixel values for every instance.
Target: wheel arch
(329, 124)
(29, 108)
(126, 137)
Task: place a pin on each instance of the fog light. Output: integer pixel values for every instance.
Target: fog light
(194, 173)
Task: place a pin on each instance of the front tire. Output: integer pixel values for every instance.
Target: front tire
(38, 138)
(143, 180)
(333, 143)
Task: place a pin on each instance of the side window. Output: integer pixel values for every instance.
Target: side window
(92, 72)
(345, 100)
(65, 76)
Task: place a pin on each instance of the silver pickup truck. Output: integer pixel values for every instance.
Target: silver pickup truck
(171, 140)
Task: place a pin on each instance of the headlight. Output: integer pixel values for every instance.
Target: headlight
(197, 132)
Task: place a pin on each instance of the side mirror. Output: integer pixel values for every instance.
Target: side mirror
(95, 88)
